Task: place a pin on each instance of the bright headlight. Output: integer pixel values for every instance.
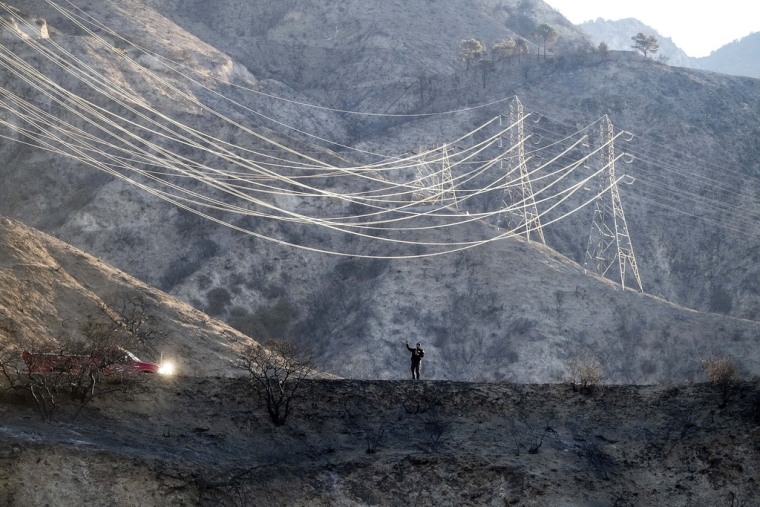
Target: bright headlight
(166, 368)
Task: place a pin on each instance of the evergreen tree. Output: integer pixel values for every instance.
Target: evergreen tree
(645, 43)
(471, 50)
(547, 34)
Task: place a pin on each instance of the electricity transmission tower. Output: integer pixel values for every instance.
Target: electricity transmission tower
(436, 186)
(609, 240)
(525, 218)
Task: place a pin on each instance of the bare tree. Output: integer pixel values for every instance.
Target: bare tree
(136, 317)
(77, 370)
(529, 432)
(17, 375)
(81, 370)
(723, 373)
(584, 373)
(277, 371)
(11, 364)
(89, 373)
(436, 426)
(357, 411)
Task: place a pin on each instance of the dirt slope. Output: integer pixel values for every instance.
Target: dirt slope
(49, 289)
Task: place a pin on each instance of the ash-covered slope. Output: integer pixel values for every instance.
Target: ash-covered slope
(488, 313)
(208, 442)
(355, 55)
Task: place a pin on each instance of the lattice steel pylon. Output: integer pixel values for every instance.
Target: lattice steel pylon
(608, 239)
(436, 186)
(529, 219)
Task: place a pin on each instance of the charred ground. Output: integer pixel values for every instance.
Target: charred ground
(209, 441)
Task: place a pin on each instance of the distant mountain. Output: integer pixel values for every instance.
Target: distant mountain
(739, 58)
(617, 35)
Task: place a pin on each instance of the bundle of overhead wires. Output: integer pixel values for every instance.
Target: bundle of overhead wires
(73, 109)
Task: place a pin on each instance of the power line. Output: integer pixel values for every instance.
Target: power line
(145, 147)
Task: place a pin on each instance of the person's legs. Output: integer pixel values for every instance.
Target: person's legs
(416, 371)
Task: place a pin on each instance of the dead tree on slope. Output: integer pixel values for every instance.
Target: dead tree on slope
(277, 371)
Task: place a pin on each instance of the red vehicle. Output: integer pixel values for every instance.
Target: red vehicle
(107, 361)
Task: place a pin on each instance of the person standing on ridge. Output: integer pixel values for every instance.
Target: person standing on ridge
(417, 355)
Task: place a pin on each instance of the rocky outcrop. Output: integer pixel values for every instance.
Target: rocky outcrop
(15, 24)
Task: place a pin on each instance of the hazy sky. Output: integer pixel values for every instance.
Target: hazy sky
(697, 27)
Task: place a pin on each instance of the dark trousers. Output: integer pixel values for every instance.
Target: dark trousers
(416, 370)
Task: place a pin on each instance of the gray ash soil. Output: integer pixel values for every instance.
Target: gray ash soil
(209, 441)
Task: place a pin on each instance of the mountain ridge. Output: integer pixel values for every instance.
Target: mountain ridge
(617, 35)
(735, 58)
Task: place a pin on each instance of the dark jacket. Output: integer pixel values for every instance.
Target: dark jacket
(417, 353)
